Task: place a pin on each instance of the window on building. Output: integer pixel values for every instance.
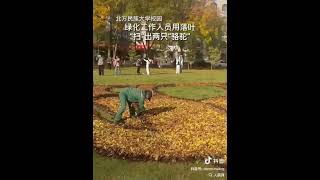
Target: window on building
(215, 5)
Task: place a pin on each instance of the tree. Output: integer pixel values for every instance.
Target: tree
(100, 12)
(209, 27)
(106, 10)
(172, 11)
(145, 8)
(214, 55)
(202, 13)
(133, 54)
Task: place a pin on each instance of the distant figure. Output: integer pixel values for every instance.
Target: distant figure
(158, 63)
(181, 62)
(100, 65)
(117, 65)
(148, 61)
(109, 62)
(138, 64)
(178, 66)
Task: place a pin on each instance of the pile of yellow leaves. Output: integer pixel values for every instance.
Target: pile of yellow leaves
(174, 129)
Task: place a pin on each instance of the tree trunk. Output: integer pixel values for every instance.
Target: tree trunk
(115, 50)
(109, 52)
(98, 43)
(110, 40)
(109, 49)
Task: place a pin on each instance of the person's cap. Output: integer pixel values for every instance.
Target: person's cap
(148, 94)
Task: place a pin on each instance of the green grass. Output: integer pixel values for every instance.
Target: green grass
(193, 92)
(159, 76)
(109, 168)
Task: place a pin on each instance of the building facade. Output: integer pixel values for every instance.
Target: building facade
(222, 7)
(222, 12)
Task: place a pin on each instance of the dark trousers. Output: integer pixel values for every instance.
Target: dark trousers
(123, 102)
(101, 70)
(138, 69)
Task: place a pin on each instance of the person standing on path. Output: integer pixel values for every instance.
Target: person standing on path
(148, 61)
(117, 65)
(109, 62)
(100, 65)
(181, 62)
(178, 65)
(138, 64)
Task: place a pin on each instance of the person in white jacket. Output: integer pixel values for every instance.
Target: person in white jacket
(148, 61)
(178, 65)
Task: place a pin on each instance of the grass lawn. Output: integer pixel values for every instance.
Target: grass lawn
(194, 93)
(159, 76)
(109, 168)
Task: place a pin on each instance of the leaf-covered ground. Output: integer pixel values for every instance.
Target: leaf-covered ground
(218, 102)
(173, 129)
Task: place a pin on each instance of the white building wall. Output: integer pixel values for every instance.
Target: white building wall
(220, 4)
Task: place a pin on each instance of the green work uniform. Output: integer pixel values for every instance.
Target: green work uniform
(128, 96)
